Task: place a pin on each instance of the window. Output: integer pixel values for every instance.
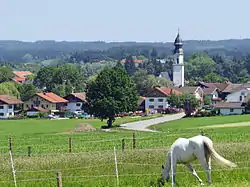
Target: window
(47, 106)
(65, 104)
(1, 114)
(1, 106)
(151, 106)
(151, 100)
(231, 110)
(27, 106)
(160, 100)
(78, 104)
(10, 106)
(160, 106)
(42, 106)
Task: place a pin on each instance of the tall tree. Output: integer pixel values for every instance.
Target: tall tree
(27, 91)
(130, 65)
(110, 93)
(5, 74)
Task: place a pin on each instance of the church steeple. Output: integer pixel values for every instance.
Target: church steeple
(178, 65)
(178, 40)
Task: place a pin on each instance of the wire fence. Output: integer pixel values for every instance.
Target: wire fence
(118, 164)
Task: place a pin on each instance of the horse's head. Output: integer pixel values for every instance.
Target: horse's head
(165, 173)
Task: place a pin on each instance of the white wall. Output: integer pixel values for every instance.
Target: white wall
(156, 103)
(72, 106)
(226, 111)
(7, 112)
(178, 74)
(235, 97)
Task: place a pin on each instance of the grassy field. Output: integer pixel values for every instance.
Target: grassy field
(91, 162)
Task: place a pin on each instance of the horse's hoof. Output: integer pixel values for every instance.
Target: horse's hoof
(202, 184)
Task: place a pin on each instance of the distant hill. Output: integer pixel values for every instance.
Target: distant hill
(18, 51)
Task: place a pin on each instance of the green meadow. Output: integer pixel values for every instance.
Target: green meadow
(91, 162)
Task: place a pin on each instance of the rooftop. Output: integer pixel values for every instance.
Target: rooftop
(51, 97)
(10, 100)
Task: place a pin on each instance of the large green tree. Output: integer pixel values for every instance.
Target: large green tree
(5, 74)
(145, 83)
(10, 88)
(111, 93)
(27, 91)
(62, 79)
(130, 65)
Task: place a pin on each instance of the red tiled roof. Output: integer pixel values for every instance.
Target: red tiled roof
(80, 95)
(21, 73)
(11, 100)
(51, 97)
(167, 91)
(220, 86)
(208, 91)
(187, 89)
(19, 79)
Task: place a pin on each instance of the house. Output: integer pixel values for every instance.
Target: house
(21, 76)
(226, 108)
(7, 106)
(238, 94)
(213, 94)
(194, 90)
(45, 100)
(157, 98)
(76, 101)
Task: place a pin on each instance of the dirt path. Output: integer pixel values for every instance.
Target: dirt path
(144, 124)
(241, 124)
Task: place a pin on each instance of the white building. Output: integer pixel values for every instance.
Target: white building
(76, 101)
(238, 95)
(178, 65)
(225, 108)
(7, 106)
(157, 99)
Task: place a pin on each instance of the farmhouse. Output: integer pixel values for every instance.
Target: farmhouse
(213, 94)
(194, 90)
(226, 108)
(21, 76)
(75, 101)
(48, 101)
(8, 105)
(157, 98)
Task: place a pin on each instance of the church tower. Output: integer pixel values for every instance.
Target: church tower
(178, 65)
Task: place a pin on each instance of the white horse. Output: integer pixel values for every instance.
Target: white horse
(186, 150)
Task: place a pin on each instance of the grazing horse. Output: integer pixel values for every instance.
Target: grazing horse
(186, 150)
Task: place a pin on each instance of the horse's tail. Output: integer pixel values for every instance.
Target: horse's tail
(209, 147)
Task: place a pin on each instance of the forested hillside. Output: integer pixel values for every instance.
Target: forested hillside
(17, 51)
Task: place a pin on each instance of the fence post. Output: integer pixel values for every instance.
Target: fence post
(202, 132)
(29, 151)
(123, 145)
(134, 140)
(13, 169)
(70, 144)
(116, 168)
(11, 143)
(59, 179)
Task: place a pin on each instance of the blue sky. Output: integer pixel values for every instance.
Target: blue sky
(123, 20)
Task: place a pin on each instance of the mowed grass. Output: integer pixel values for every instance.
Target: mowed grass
(91, 162)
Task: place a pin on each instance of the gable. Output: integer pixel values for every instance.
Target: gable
(156, 93)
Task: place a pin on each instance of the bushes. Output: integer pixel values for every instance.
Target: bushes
(205, 113)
